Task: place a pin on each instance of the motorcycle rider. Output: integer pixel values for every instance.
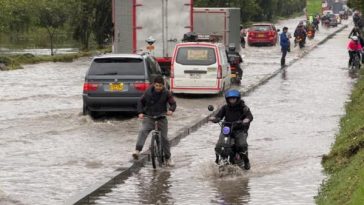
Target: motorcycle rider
(232, 53)
(154, 102)
(235, 110)
(357, 32)
(354, 48)
(356, 18)
(300, 32)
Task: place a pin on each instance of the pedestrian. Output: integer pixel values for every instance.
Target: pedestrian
(285, 44)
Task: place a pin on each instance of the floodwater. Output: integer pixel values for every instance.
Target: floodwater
(49, 151)
(296, 117)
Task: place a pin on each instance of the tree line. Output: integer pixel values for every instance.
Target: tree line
(357, 4)
(258, 10)
(85, 20)
(89, 21)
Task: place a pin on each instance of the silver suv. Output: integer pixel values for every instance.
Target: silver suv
(115, 82)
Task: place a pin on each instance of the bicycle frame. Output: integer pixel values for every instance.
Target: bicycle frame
(156, 148)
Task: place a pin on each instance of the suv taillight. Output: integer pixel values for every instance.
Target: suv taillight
(90, 86)
(141, 86)
(219, 72)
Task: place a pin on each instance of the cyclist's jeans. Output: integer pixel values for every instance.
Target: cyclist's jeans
(147, 127)
(240, 142)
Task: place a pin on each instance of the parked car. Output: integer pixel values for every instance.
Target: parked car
(200, 68)
(265, 33)
(115, 82)
(333, 20)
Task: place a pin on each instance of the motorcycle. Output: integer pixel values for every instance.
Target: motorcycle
(235, 76)
(300, 41)
(228, 155)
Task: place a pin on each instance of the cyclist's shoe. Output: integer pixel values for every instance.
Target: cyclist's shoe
(169, 162)
(136, 154)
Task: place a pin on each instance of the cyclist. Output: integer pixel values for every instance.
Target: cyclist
(235, 110)
(155, 102)
(354, 48)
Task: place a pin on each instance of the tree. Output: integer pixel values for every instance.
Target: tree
(102, 25)
(52, 17)
(83, 22)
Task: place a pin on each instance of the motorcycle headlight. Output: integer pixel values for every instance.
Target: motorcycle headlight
(226, 130)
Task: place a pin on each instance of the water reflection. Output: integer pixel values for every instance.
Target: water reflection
(156, 189)
(231, 191)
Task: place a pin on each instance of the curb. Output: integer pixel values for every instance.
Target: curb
(91, 194)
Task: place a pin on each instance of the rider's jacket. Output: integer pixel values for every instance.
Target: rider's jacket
(354, 46)
(155, 103)
(236, 112)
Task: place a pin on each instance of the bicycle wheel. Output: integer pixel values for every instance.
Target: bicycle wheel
(153, 150)
(160, 151)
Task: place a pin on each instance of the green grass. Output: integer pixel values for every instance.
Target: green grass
(345, 162)
(15, 61)
(313, 7)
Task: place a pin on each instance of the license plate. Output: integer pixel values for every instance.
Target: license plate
(233, 75)
(195, 76)
(261, 35)
(116, 86)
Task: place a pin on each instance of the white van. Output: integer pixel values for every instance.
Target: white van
(200, 68)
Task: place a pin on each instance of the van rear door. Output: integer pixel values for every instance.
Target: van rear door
(196, 67)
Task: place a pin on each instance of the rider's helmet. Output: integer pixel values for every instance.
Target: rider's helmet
(232, 47)
(354, 38)
(232, 94)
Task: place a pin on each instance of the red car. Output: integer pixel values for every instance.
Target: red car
(263, 33)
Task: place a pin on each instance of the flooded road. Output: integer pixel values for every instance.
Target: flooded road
(296, 118)
(49, 151)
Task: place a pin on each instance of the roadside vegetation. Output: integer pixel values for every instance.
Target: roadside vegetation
(345, 162)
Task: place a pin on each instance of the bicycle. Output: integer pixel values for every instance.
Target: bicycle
(156, 148)
(355, 64)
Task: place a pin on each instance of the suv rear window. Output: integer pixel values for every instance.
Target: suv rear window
(117, 66)
(261, 28)
(196, 56)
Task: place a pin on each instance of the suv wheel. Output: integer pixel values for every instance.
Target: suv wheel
(85, 110)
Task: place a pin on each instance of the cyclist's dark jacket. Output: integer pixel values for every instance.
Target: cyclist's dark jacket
(153, 103)
(236, 112)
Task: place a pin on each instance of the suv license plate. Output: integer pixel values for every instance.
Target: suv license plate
(116, 86)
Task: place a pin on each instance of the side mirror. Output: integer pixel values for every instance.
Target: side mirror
(210, 108)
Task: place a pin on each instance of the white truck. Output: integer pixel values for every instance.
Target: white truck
(224, 22)
(164, 21)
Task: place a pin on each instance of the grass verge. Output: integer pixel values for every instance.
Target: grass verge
(345, 162)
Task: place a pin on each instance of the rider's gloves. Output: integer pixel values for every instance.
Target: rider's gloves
(246, 121)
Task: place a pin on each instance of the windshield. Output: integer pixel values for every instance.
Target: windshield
(117, 66)
(196, 56)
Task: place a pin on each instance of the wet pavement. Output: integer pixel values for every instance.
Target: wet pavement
(296, 118)
(49, 150)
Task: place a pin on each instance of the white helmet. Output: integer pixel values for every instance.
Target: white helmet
(354, 38)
